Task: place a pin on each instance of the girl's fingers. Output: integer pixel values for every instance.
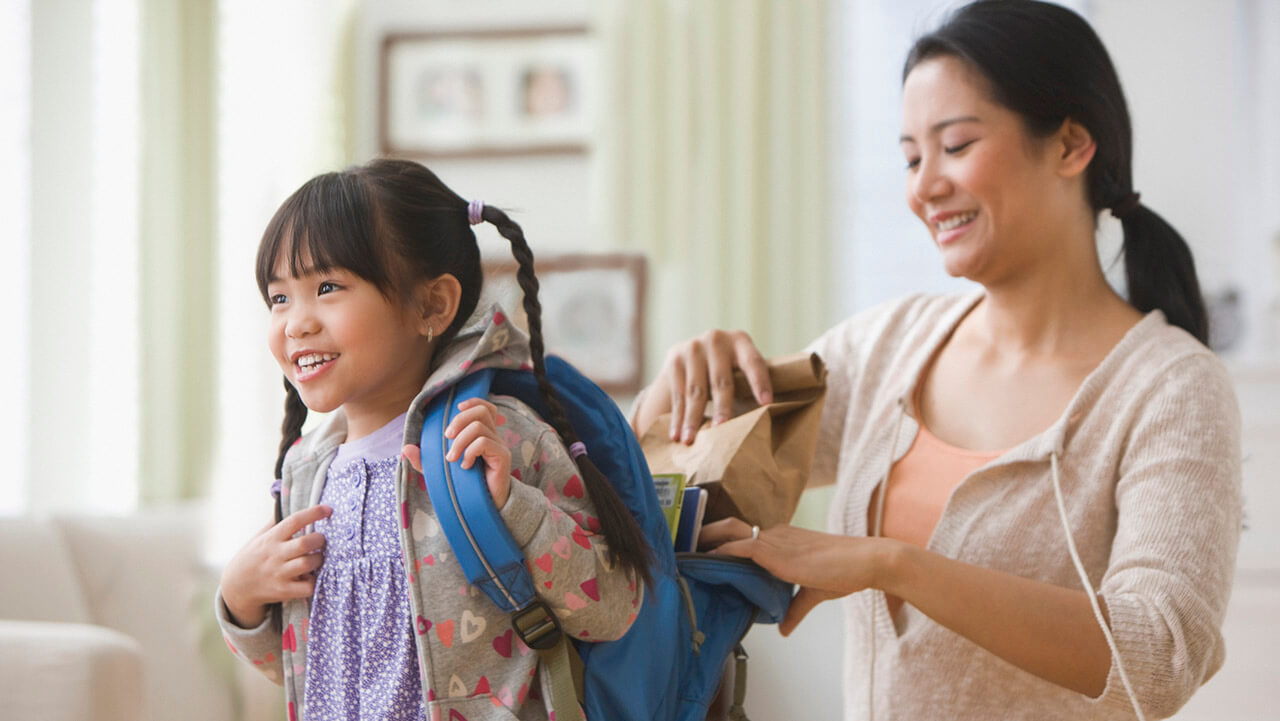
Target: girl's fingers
(304, 545)
(295, 522)
(473, 410)
(493, 451)
(303, 587)
(413, 455)
(465, 437)
(301, 566)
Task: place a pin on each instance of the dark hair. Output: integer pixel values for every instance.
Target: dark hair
(393, 223)
(1045, 63)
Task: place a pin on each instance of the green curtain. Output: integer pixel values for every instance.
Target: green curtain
(714, 148)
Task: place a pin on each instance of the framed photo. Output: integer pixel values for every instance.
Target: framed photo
(478, 94)
(592, 312)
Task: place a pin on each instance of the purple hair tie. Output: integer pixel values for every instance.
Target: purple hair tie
(475, 212)
(578, 449)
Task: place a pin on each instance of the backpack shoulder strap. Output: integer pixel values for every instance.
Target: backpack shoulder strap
(483, 545)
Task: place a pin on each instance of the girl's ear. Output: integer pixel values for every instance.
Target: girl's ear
(1076, 148)
(436, 304)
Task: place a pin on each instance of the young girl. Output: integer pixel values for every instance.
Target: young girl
(370, 275)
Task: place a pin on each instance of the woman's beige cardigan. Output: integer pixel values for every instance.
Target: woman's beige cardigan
(1148, 456)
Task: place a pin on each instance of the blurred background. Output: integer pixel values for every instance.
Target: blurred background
(745, 151)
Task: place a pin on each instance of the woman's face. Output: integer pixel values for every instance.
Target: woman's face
(982, 185)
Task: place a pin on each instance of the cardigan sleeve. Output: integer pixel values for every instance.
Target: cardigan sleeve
(552, 518)
(1179, 512)
(259, 647)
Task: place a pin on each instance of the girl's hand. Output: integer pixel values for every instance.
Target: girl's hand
(824, 565)
(474, 431)
(696, 370)
(274, 567)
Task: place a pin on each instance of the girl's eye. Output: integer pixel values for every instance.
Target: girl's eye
(327, 287)
(278, 298)
(952, 150)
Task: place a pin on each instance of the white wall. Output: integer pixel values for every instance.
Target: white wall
(552, 197)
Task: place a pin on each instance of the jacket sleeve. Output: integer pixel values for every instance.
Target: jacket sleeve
(259, 646)
(1178, 501)
(552, 518)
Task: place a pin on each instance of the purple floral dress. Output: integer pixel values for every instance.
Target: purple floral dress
(363, 663)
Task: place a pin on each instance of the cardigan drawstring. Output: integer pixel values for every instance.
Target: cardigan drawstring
(1088, 587)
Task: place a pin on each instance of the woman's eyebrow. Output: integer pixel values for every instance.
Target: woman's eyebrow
(941, 124)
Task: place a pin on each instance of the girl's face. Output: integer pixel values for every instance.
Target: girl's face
(341, 342)
(975, 177)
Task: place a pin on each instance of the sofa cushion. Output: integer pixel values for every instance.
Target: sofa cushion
(68, 672)
(143, 575)
(40, 579)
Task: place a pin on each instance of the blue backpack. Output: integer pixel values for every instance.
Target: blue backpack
(695, 613)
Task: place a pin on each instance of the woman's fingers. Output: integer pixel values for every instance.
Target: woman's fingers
(675, 387)
(804, 601)
(721, 532)
(754, 367)
(695, 391)
(720, 363)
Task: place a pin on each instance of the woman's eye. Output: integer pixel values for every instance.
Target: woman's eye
(912, 163)
(953, 149)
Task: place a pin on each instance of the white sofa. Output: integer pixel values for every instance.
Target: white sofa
(109, 619)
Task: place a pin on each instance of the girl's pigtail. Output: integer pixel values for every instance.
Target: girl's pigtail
(295, 413)
(627, 544)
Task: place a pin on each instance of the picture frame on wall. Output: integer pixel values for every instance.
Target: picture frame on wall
(490, 93)
(592, 312)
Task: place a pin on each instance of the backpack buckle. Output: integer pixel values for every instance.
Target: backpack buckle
(537, 626)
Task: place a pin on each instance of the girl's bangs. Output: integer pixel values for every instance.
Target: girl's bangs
(328, 223)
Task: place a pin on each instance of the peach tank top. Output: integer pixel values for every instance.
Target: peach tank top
(919, 485)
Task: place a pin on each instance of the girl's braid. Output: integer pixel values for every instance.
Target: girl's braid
(626, 541)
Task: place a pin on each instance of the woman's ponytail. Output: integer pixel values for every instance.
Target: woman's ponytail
(1159, 270)
(627, 544)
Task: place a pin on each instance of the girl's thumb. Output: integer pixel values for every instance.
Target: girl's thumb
(413, 455)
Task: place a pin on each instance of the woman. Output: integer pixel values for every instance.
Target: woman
(1062, 464)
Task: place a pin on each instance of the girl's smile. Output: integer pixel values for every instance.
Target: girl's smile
(309, 364)
(342, 343)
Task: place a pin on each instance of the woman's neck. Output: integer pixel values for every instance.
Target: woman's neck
(1064, 307)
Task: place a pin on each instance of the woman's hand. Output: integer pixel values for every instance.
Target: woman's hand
(825, 566)
(474, 431)
(274, 567)
(695, 370)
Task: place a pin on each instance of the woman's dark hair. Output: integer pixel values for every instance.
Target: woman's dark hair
(394, 223)
(1045, 63)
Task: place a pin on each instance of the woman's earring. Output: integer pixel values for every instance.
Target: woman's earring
(430, 333)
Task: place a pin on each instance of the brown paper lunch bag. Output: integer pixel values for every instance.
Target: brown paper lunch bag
(756, 464)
